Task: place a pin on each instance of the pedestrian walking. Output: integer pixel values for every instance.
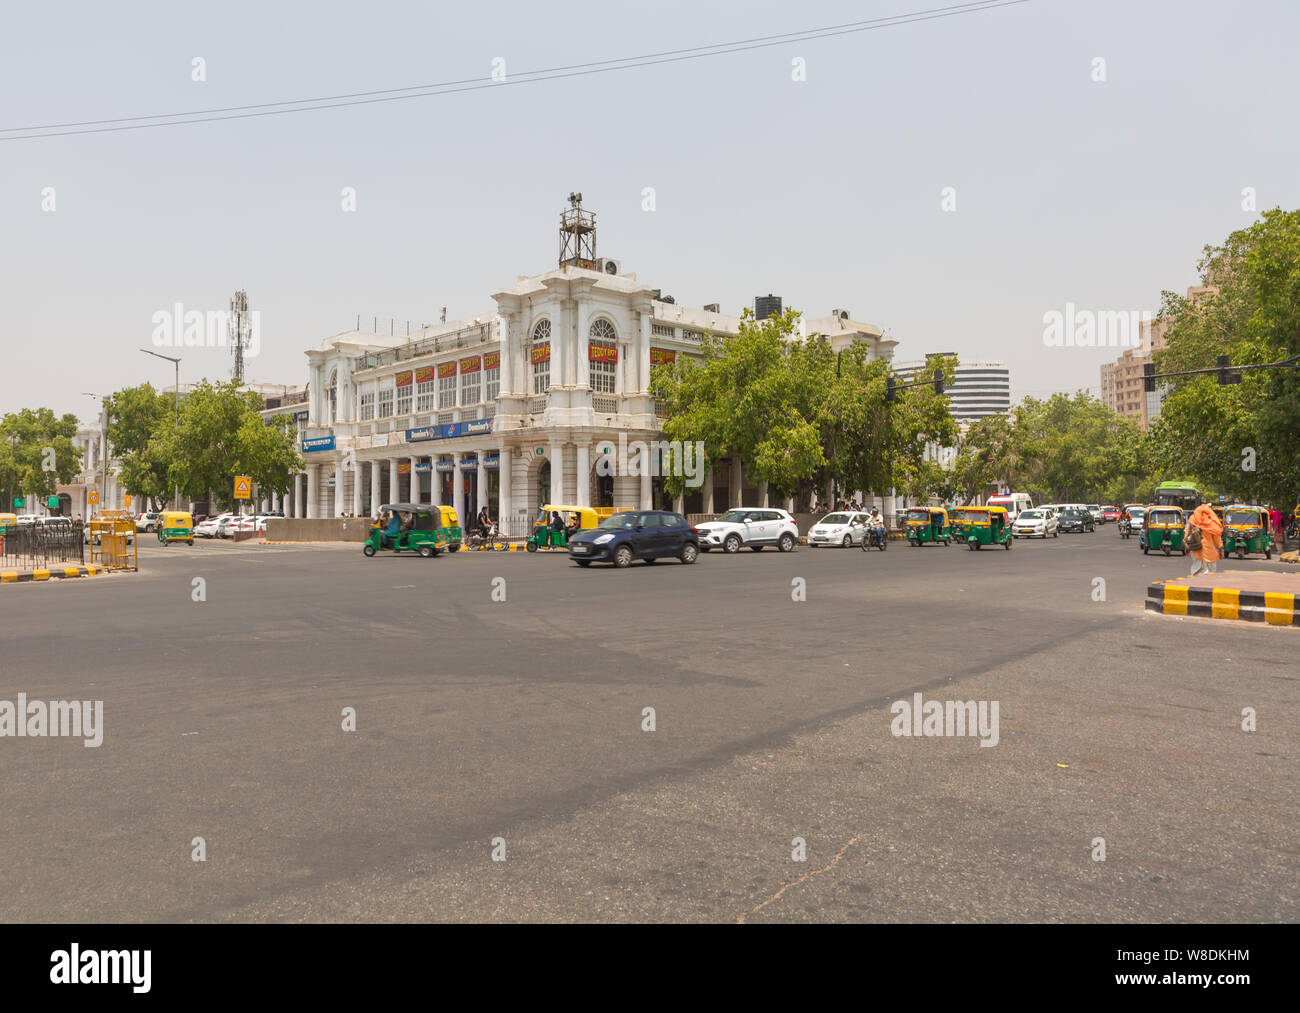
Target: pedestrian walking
(1203, 536)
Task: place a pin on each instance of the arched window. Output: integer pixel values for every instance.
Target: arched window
(541, 356)
(602, 356)
(334, 396)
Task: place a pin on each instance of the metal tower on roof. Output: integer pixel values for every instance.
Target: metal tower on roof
(578, 235)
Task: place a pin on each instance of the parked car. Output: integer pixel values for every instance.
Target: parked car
(1074, 519)
(225, 526)
(755, 527)
(636, 534)
(845, 528)
(1098, 516)
(28, 520)
(207, 528)
(1038, 523)
(146, 522)
(1110, 514)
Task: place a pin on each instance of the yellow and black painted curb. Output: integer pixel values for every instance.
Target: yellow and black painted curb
(1275, 608)
(54, 573)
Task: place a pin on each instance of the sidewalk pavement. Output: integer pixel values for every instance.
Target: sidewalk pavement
(1245, 595)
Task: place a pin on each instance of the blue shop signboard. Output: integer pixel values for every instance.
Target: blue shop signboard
(318, 443)
(451, 430)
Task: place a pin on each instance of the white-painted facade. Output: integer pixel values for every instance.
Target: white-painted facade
(507, 408)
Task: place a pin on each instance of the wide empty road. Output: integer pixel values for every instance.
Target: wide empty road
(514, 729)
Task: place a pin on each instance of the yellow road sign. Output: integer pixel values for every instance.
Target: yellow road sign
(128, 499)
(94, 497)
(243, 487)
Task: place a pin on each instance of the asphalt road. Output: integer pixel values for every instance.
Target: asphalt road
(522, 720)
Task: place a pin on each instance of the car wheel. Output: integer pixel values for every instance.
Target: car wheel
(972, 546)
(426, 551)
(787, 543)
(622, 557)
(453, 548)
(689, 553)
(1007, 545)
(847, 543)
(1055, 534)
(368, 549)
(732, 544)
(532, 547)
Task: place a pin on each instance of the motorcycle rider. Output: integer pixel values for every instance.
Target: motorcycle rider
(876, 523)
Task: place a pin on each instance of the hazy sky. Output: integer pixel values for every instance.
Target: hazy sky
(825, 191)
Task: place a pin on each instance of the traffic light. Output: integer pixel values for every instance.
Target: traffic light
(938, 381)
(1226, 377)
(891, 393)
(1149, 377)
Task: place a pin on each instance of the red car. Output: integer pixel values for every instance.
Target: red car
(1110, 513)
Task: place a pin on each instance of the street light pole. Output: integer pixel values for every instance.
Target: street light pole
(176, 498)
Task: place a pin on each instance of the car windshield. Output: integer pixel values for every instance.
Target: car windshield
(836, 519)
(1138, 512)
(621, 522)
(731, 516)
(1031, 515)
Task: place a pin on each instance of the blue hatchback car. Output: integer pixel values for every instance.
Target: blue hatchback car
(636, 534)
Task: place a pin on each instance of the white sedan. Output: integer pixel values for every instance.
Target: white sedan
(846, 529)
(1035, 524)
(208, 528)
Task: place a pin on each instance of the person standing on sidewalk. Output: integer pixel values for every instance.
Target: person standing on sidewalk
(1210, 529)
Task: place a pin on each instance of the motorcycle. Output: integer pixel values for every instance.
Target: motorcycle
(1125, 528)
(872, 540)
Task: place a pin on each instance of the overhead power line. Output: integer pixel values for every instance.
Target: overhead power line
(213, 115)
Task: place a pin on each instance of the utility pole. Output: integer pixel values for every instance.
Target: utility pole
(176, 499)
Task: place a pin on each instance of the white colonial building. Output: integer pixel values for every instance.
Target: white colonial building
(508, 408)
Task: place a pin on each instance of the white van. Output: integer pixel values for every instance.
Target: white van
(1014, 503)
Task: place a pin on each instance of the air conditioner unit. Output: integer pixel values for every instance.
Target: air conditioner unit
(608, 266)
(841, 314)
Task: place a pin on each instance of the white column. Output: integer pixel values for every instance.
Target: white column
(645, 489)
(356, 488)
(508, 326)
(394, 482)
(483, 482)
(313, 483)
(458, 490)
(374, 487)
(435, 482)
(584, 357)
(338, 489)
(583, 491)
(505, 508)
(415, 483)
(643, 355)
(557, 473)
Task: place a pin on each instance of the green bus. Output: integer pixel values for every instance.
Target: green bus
(1180, 494)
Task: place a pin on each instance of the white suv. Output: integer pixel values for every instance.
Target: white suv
(146, 522)
(754, 527)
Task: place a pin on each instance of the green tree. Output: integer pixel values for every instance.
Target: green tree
(37, 453)
(1251, 314)
(221, 435)
(135, 416)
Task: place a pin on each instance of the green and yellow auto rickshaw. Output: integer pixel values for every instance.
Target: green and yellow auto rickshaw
(572, 519)
(1162, 528)
(927, 524)
(957, 524)
(175, 526)
(451, 527)
(8, 524)
(1245, 531)
(987, 525)
(407, 527)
